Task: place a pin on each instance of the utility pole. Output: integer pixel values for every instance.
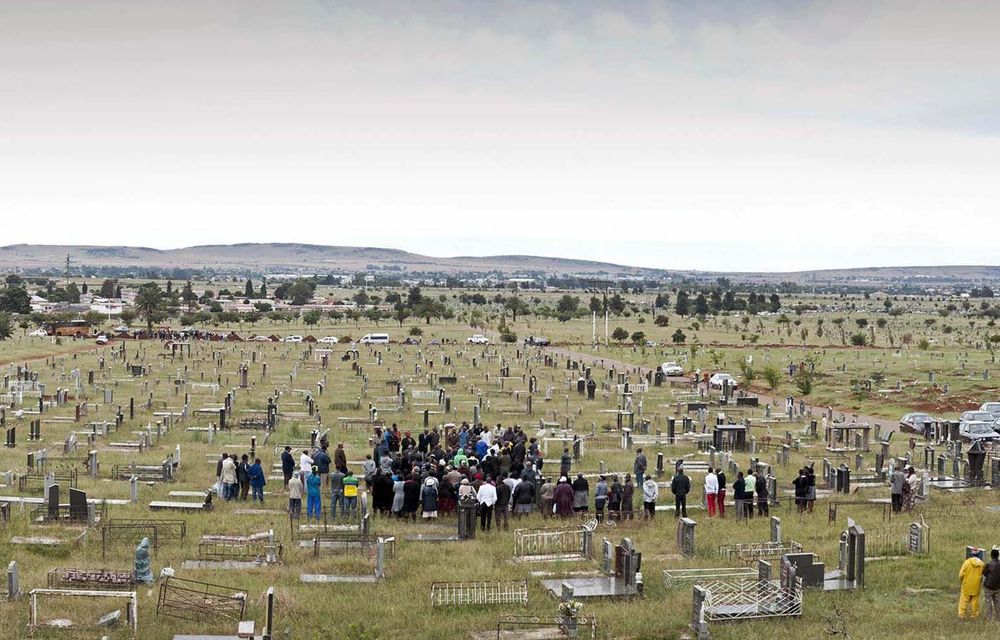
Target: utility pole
(67, 268)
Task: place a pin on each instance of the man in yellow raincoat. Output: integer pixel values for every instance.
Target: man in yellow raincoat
(971, 575)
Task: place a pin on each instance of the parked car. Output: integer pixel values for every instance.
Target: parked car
(261, 339)
(914, 422)
(413, 341)
(717, 380)
(536, 341)
(102, 339)
(977, 416)
(292, 339)
(672, 369)
(479, 339)
(329, 340)
(977, 430)
(39, 333)
(993, 408)
(375, 338)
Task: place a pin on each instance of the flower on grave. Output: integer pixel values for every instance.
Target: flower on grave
(570, 608)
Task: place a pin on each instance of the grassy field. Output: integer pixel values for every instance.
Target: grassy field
(400, 604)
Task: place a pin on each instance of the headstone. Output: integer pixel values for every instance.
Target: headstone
(143, 570)
(77, 504)
(776, 529)
(53, 502)
(685, 536)
(13, 581)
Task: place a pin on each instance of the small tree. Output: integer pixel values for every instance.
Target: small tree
(678, 337)
(661, 321)
(772, 375)
(747, 373)
(6, 329)
(804, 381)
(619, 334)
(312, 316)
(859, 339)
(639, 337)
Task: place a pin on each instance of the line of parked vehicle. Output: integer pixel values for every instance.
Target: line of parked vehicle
(978, 424)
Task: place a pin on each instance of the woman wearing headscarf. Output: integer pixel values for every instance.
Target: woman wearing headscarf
(563, 497)
(397, 496)
(429, 499)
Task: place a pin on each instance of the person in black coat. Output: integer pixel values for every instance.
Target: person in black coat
(680, 486)
(287, 465)
(411, 497)
(502, 505)
(382, 492)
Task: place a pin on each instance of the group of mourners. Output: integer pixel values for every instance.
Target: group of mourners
(235, 478)
(498, 471)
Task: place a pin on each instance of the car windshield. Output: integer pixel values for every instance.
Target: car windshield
(980, 428)
(978, 416)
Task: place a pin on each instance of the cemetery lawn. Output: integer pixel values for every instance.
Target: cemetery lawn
(906, 596)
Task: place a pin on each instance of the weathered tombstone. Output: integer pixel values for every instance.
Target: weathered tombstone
(143, 570)
(776, 529)
(685, 536)
(13, 581)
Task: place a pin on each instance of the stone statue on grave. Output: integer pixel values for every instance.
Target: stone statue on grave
(143, 572)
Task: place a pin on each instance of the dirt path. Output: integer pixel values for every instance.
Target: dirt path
(777, 404)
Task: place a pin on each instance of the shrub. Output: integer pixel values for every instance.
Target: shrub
(859, 339)
(772, 375)
(661, 321)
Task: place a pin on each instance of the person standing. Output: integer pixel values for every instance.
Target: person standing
(639, 466)
(313, 500)
(305, 468)
(711, 491)
(601, 497)
(340, 457)
(628, 496)
(801, 485)
(503, 503)
(565, 462)
(228, 478)
(581, 493)
(750, 485)
(547, 494)
(721, 500)
(487, 497)
(257, 480)
(243, 476)
(524, 498)
(563, 498)
(760, 486)
(991, 586)
(287, 466)
(336, 492)
(295, 496)
(971, 575)
(896, 482)
(811, 494)
(680, 486)
(429, 499)
(322, 461)
(910, 490)
(650, 491)
(739, 495)
(350, 493)
(615, 499)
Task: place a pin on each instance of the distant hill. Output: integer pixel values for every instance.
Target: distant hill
(293, 256)
(310, 258)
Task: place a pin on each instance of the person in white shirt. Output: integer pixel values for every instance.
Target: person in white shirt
(487, 497)
(306, 465)
(650, 491)
(711, 491)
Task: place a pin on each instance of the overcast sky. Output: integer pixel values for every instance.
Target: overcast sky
(745, 135)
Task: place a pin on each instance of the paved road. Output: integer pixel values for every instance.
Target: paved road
(776, 403)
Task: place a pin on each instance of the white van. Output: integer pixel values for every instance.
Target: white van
(375, 338)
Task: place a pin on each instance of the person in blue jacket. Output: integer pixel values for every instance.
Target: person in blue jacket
(257, 480)
(313, 500)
